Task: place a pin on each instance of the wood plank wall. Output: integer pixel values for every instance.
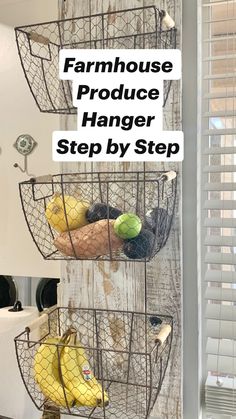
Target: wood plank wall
(121, 285)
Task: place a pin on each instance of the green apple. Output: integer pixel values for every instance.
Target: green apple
(128, 226)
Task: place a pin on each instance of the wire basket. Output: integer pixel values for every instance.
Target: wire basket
(112, 346)
(39, 46)
(101, 215)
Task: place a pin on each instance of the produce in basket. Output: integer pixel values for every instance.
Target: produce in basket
(66, 213)
(78, 378)
(91, 241)
(100, 211)
(157, 221)
(127, 226)
(46, 373)
(141, 246)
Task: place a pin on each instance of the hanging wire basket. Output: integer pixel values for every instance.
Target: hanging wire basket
(101, 215)
(126, 352)
(39, 46)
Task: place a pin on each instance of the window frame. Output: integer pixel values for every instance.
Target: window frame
(192, 291)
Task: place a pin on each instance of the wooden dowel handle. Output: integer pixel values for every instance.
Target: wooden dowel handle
(35, 324)
(42, 179)
(39, 38)
(168, 21)
(170, 175)
(163, 334)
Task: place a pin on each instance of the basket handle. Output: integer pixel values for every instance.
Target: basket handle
(35, 324)
(42, 179)
(163, 334)
(33, 36)
(168, 176)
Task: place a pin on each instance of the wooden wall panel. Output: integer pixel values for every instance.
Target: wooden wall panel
(121, 285)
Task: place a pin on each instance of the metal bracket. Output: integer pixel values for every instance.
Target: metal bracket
(24, 144)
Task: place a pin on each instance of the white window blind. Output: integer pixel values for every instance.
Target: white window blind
(218, 203)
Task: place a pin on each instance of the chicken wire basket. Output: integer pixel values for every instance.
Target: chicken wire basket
(100, 215)
(126, 352)
(39, 46)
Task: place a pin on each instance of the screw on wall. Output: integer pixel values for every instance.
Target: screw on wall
(24, 144)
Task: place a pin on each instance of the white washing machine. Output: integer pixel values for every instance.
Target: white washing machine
(14, 400)
(38, 293)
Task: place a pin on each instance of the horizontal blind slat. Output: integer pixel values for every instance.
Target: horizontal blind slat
(221, 76)
(220, 58)
(223, 131)
(219, 409)
(221, 329)
(220, 258)
(217, 2)
(226, 94)
(224, 19)
(225, 312)
(223, 347)
(220, 169)
(225, 365)
(220, 222)
(220, 150)
(218, 37)
(227, 186)
(220, 276)
(216, 114)
(227, 204)
(214, 240)
(221, 294)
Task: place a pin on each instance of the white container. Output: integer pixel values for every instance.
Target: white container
(15, 402)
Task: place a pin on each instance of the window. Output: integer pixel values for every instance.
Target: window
(218, 203)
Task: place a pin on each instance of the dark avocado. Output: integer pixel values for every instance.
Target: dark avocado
(141, 246)
(102, 211)
(157, 220)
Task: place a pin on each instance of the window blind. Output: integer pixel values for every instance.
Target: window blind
(218, 203)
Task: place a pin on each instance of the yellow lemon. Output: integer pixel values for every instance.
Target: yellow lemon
(66, 213)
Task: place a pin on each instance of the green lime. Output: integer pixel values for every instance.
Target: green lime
(128, 226)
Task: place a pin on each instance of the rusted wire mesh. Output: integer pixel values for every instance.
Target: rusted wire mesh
(39, 47)
(100, 216)
(112, 366)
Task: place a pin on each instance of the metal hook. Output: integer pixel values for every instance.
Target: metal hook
(25, 169)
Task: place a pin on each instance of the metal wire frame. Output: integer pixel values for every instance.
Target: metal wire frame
(132, 373)
(135, 192)
(39, 46)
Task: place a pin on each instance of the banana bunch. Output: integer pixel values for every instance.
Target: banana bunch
(78, 377)
(64, 375)
(46, 373)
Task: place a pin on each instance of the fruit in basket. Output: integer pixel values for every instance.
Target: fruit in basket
(91, 241)
(127, 226)
(76, 376)
(157, 220)
(87, 374)
(141, 246)
(100, 211)
(66, 213)
(46, 373)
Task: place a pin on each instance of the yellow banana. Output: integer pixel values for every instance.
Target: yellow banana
(87, 373)
(46, 373)
(73, 379)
